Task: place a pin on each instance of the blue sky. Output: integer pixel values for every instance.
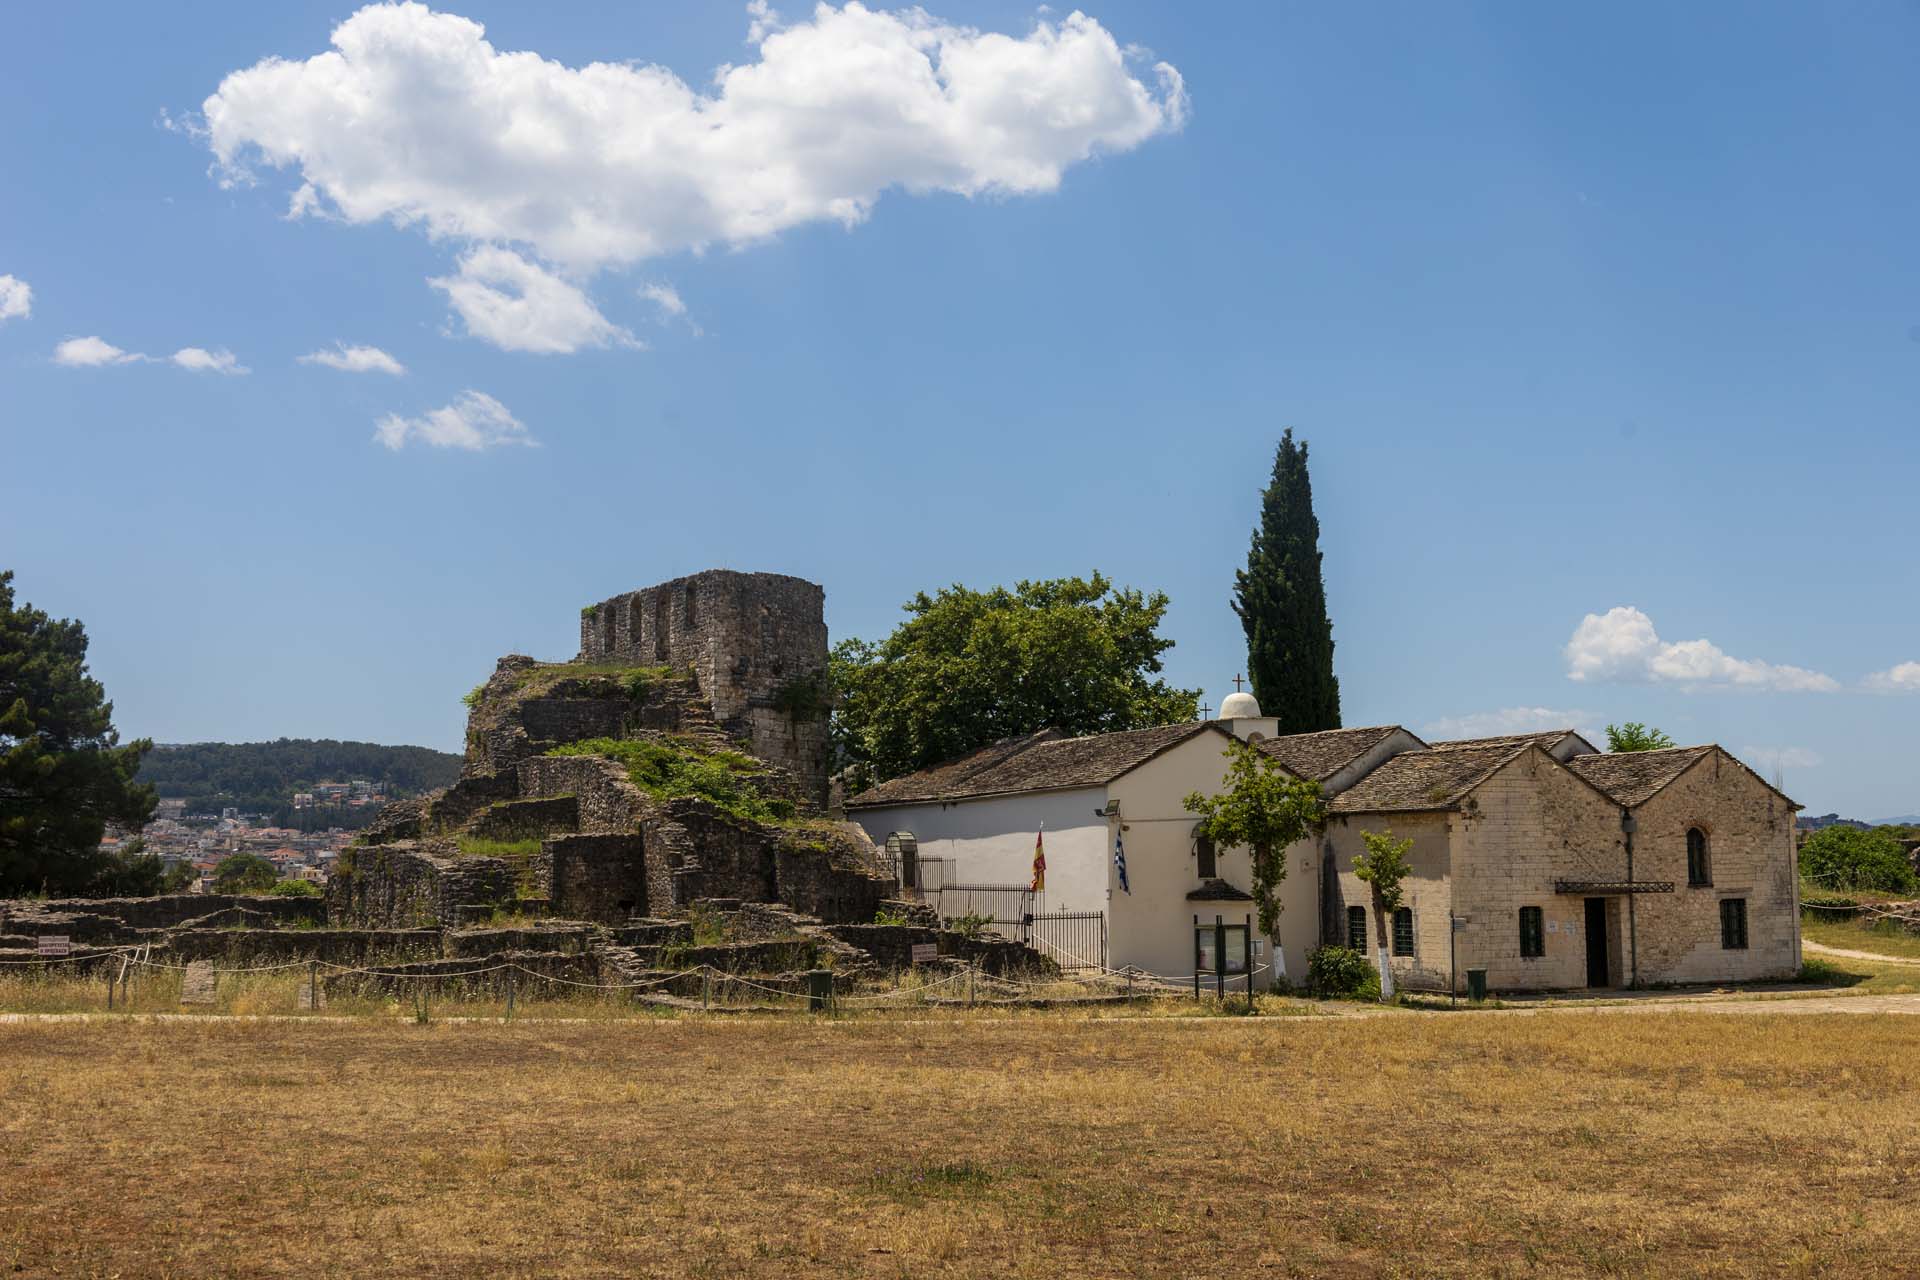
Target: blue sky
(1582, 311)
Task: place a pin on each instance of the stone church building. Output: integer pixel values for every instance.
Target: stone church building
(1535, 857)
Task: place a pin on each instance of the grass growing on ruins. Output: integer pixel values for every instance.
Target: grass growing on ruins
(676, 767)
(1674, 1144)
(476, 847)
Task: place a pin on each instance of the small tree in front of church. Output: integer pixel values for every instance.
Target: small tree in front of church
(1384, 867)
(1264, 809)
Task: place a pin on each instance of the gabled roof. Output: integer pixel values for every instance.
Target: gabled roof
(1632, 778)
(1546, 738)
(1041, 762)
(1422, 781)
(1318, 756)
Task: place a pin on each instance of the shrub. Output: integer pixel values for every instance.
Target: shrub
(295, 889)
(1341, 973)
(970, 925)
(1849, 858)
(887, 915)
(472, 696)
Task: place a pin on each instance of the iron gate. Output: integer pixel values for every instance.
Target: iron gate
(1075, 940)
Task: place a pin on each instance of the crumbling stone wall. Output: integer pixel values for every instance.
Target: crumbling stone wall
(595, 877)
(757, 643)
(402, 885)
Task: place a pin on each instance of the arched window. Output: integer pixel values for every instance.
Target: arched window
(1357, 928)
(1203, 855)
(1699, 869)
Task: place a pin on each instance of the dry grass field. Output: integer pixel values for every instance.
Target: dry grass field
(1413, 1145)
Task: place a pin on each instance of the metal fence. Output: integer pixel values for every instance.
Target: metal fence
(1005, 906)
(1075, 940)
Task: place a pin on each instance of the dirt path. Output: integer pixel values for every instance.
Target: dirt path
(1817, 949)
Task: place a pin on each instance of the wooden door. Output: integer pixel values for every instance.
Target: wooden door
(1597, 942)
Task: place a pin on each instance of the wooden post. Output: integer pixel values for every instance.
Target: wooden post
(510, 985)
(972, 969)
(110, 981)
(706, 986)
(313, 985)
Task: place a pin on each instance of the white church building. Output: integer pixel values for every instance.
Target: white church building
(971, 825)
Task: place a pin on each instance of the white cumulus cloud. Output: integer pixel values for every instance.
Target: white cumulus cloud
(1506, 720)
(1902, 678)
(518, 306)
(475, 420)
(1621, 645)
(665, 297)
(412, 116)
(200, 360)
(91, 352)
(16, 298)
(356, 359)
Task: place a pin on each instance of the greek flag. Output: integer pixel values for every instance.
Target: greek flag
(1120, 863)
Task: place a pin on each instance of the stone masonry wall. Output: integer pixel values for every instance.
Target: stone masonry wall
(400, 886)
(749, 637)
(596, 877)
(1537, 823)
(1750, 855)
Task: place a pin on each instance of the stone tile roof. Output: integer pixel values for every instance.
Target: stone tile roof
(1319, 756)
(1416, 781)
(1546, 738)
(1634, 777)
(1218, 890)
(1041, 762)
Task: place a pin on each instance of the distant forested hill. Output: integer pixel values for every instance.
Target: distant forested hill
(262, 776)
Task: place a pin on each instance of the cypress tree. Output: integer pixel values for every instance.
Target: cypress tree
(1282, 603)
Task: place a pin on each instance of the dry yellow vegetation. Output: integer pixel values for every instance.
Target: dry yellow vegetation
(1471, 1145)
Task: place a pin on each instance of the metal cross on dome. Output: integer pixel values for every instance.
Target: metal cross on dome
(1237, 682)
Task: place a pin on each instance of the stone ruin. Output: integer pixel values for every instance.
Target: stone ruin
(649, 811)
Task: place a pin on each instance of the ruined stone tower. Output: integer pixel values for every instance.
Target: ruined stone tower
(757, 643)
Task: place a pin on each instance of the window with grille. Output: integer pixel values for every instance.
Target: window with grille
(1733, 924)
(1357, 928)
(1533, 934)
(1699, 871)
(1403, 931)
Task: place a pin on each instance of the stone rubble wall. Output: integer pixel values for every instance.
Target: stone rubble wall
(749, 637)
(402, 886)
(595, 877)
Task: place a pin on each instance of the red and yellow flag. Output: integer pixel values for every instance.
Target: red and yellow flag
(1040, 862)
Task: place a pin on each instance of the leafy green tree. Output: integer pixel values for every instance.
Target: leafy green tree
(129, 873)
(64, 774)
(968, 668)
(244, 873)
(1840, 857)
(179, 878)
(1263, 809)
(1634, 736)
(1282, 603)
(1384, 867)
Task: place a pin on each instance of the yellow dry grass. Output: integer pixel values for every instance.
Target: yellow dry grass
(1657, 1144)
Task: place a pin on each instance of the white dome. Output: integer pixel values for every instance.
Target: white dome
(1239, 706)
